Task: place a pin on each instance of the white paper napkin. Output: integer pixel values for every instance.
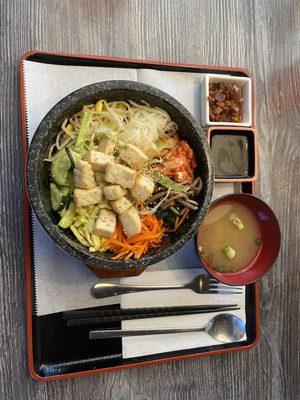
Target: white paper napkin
(154, 344)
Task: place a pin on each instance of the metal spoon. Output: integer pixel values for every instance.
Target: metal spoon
(225, 328)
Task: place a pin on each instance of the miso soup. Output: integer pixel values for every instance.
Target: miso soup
(229, 238)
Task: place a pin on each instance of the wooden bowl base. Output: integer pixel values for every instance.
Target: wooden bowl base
(112, 273)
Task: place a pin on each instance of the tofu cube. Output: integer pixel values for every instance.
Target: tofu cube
(114, 192)
(120, 175)
(131, 222)
(84, 175)
(143, 188)
(98, 160)
(87, 197)
(120, 205)
(107, 145)
(133, 156)
(150, 149)
(105, 224)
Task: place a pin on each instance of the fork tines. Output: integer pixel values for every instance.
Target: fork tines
(220, 288)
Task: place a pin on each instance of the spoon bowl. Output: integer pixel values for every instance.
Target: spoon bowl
(226, 328)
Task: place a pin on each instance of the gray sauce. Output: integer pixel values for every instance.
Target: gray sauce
(230, 153)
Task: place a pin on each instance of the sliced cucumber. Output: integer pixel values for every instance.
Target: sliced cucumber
(65, 191)
(65, 202)
(70, 155)
(62, 164)
(70, 181)
(73, 157)
(56, 195)
(60, 167)
(66, 220)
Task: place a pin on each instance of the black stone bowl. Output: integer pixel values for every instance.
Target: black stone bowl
(37, 173)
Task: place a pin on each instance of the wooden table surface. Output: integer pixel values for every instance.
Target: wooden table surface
(261, 35)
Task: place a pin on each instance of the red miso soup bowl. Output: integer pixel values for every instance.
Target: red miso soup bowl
(270, 242)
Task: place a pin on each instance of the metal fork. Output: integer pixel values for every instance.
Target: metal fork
(202, 284)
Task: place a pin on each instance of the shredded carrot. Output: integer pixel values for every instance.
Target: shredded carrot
(120, 244)
(129, 255)
(150, 236)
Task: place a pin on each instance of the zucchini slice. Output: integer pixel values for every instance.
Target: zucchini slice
(57, 195)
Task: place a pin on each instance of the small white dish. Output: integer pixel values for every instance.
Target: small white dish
(247, 96)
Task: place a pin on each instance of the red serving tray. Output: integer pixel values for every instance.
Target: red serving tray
(61, 58)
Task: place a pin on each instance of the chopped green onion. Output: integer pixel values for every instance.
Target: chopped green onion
(233, 269)
(229, 252)
(258, 242)
(238, 223)
(210, 256)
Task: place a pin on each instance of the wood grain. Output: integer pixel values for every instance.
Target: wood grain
(261, 35)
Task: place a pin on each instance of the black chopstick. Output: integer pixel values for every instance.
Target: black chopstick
(110, 312)
(126, 317)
